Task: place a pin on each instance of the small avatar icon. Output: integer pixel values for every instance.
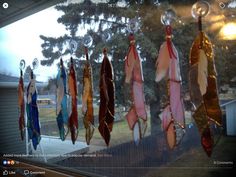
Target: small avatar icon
(12, 162)
(4, 162)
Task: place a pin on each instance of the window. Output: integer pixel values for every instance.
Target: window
(61, 32)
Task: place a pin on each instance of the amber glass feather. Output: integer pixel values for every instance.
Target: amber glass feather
(210, 99)
(73, 119)
(88, 101)
(21, 106)
(206, 106)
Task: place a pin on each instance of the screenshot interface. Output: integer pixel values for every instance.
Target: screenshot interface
(117, 88)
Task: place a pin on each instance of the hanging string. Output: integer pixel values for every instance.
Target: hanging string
(131, 48)
(31, 74)
(21, 73)
(169, 43)
(86, 53)
(200, 30)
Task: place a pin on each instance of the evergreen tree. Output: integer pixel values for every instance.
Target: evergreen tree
(115, 16)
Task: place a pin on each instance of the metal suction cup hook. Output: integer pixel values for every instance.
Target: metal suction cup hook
(87, 40)
(73, 46)
(168, 17)
(200, 9)
(106, 35)
(133, 25)
(22, 64)
(35, 63)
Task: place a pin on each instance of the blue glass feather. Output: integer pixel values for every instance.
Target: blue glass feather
(33, 115)
(62, 113)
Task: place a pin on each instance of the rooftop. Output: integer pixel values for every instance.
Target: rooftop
(12, 81)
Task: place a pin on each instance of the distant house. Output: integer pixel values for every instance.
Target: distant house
(9, 129)
(230, 110)
(233, 82)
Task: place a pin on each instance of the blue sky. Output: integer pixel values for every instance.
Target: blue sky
(20, 40)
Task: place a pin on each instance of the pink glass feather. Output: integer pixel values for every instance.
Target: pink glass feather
(134, 76)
